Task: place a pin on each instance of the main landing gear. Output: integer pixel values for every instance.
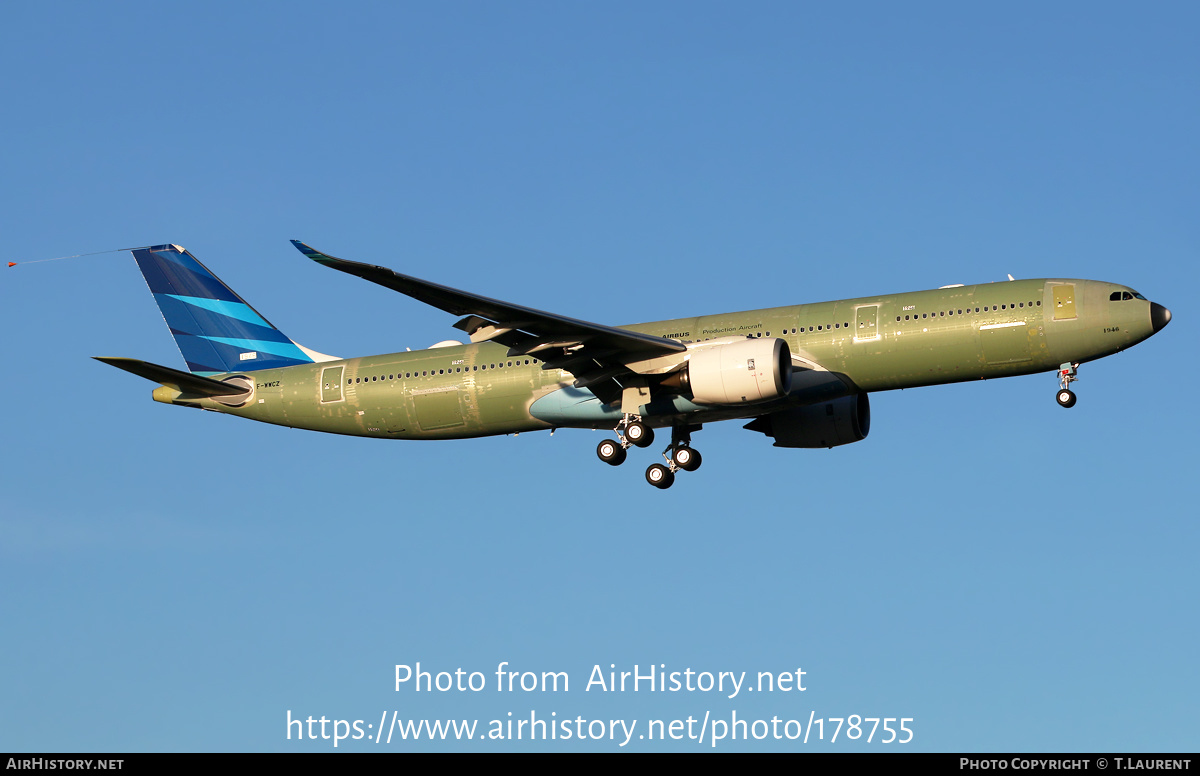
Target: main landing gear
(1067, 374)
(630, 431)
(679, 455)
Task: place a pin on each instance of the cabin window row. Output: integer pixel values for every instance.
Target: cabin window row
(823, 327)
(968, 310)
(436, 372)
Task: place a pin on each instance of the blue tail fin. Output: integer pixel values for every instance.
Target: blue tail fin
(215, 329)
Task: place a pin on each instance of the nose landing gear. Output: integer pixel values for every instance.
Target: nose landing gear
(1067, 374)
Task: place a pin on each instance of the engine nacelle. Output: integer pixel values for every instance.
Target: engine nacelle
(741, 372)
(828, 424)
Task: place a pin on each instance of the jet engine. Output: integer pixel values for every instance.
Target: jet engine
(828, 424)
(738, 372)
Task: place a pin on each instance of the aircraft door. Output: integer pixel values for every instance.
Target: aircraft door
(1064, 302)
(331, 384)
(867, 323)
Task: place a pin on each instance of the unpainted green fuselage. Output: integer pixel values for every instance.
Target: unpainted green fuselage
(882, 343)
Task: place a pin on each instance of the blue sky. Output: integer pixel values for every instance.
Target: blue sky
(1010, 575)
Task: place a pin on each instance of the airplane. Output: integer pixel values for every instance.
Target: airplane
(800, 375)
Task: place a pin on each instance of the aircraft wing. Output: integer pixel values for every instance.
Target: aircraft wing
(593, 352)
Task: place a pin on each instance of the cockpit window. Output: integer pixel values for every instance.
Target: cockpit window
(1125, 296)
(1115, 296)
(1136, 295)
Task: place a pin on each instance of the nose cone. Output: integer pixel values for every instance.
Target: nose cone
(1159, 316)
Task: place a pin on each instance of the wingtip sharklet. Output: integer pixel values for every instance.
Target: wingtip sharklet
(311, 252)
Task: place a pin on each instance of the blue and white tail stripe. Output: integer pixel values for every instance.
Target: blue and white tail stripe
(215, 329)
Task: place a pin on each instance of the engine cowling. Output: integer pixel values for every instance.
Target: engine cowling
(741, 372)
(828, 424)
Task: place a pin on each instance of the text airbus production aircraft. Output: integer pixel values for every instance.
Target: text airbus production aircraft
(800, 374)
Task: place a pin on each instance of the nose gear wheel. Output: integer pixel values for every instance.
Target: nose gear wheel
(1067, 374)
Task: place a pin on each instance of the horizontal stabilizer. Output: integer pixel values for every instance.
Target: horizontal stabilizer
(184, 382)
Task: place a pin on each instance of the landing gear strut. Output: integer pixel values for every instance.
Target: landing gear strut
(1067, 374)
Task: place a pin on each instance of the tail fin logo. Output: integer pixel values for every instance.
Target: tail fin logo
(215, 329)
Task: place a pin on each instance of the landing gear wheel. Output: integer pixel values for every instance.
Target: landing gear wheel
(686, 458)
(611, 452)
(1067, 374)
(638, 433)
(660, 476)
